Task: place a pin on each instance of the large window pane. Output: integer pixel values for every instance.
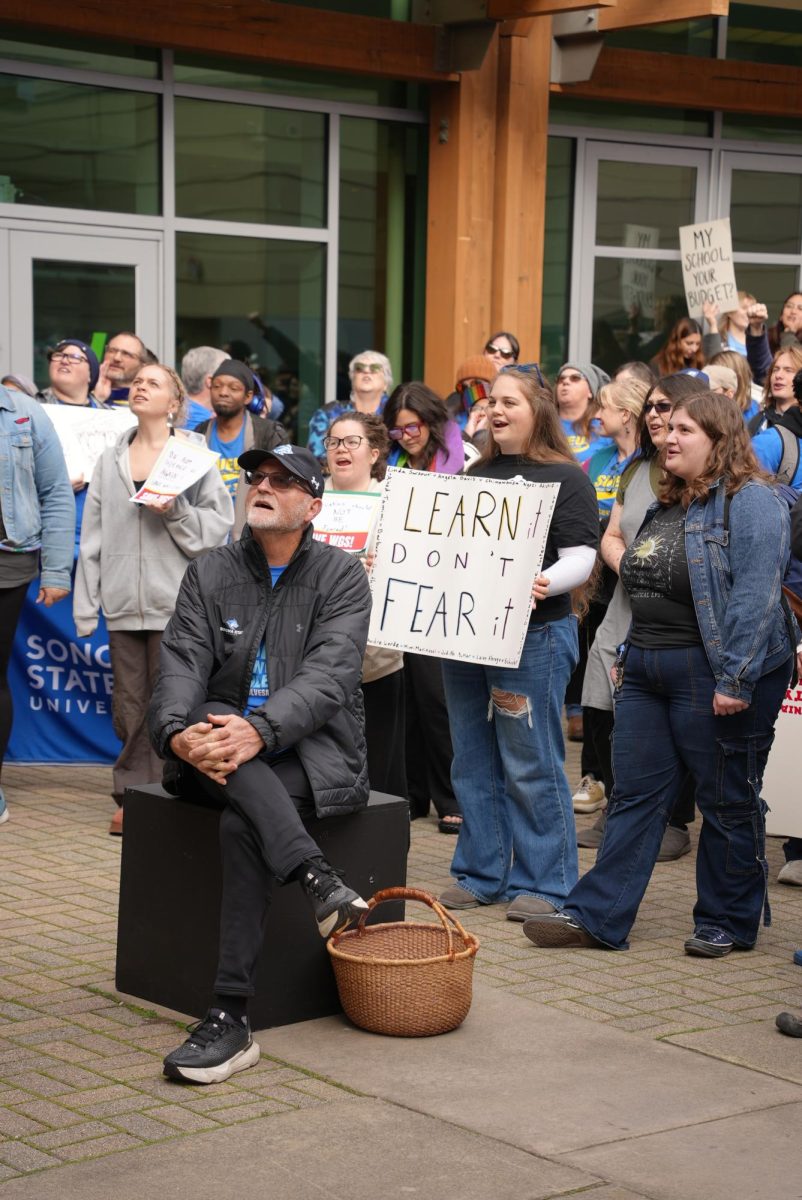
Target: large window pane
(382, 245)
(79, 147)
(262, 301)
(78, 299)
(770, 285)
(80, 53)
(242, 163)
(752, 129)
(655, 196)
(564, 110)
(557, 253)
(757, 33)
(628, 326)
(766, 211)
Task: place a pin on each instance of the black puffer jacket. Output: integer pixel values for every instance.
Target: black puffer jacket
(316, 619)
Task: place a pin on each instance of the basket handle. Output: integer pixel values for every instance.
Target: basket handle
(403, 893)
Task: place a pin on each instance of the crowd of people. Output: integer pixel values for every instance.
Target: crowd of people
(662, 633)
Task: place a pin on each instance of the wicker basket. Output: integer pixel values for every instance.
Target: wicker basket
(405, 979)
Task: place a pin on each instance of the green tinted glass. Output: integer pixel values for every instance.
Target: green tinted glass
(80, 147)
(236, 162)
(777, 129)
(602, 115)
(263, 301)
(770, 284)
(382, 245)
(80, 53)
(557, 254)
(673, 37)
(76, 299)
(635, 304)
(756, 33)
(766, 212)
(651, 196)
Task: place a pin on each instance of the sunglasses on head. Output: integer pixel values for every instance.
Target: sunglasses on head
(411, 430)
(528, 369)
(661, 406)
(491, 349)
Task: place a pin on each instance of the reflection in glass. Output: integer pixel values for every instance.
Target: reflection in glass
(601, 114)
(770, 285)
(635, 304)
(79, 147)
(382, 245)
(79, 53)
(241, 163)
(77, 299)
(694, 37)
(262, 301)
(652, 196)
(322, 85)
(758, 33)
(557, 254)
(766, 212)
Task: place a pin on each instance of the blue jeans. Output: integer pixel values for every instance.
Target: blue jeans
(664, 726)
(518, 835)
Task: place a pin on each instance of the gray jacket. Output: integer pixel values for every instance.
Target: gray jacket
(133, 558)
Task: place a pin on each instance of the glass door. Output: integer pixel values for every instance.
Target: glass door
(84, 285)
(762, 193)
(627, 287)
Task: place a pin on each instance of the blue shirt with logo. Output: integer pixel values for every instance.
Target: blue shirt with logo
(260, 684)
(229, 453)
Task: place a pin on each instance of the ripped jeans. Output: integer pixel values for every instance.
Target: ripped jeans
(664, 726)
(518, 835)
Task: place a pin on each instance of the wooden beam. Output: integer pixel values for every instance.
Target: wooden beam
(520, 198)
(249, 29)
(641, 77)
(629, 14)
(505, 10)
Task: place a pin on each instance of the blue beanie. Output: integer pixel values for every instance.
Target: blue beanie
(91, 358)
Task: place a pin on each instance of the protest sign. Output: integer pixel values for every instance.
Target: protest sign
(181, 463)
(639, 275)
(707, 270)
(86, 432)
(784, 818)
(345, 519)
(456, 557)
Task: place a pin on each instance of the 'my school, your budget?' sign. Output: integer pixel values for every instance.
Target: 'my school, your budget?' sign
(456, 557)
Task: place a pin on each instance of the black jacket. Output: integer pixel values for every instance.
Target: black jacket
(315, 622)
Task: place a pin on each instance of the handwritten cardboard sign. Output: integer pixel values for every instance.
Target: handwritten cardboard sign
(456, 557)
(639, 275)
(346, 519)
(86, 432)
(181, 463)
(707, 270)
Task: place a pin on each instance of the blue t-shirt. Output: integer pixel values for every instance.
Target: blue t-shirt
(768, 448)
(229, 453)
(583, 447)
(604, 472)
(195, 414)
(260, 684)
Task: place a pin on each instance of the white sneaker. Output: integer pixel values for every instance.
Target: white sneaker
(791, 873)
(589, 796)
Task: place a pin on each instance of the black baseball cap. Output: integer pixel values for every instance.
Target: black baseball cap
(299, 461)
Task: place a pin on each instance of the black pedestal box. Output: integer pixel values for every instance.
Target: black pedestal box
(170, 898)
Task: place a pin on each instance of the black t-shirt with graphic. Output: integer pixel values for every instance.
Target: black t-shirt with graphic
(654, 571)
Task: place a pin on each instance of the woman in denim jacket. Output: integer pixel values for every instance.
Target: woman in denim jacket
(37, 522)
(699, 683)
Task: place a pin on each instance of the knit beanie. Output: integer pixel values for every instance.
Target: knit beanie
(477, 367)
(91, 358)
(236, 370)
(594, 376)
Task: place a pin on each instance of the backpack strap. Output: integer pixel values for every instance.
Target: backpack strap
(754, 424)
(789, 463)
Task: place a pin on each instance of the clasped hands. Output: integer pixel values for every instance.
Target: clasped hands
(218, 746)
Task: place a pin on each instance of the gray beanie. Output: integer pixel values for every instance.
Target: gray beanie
(595, 376)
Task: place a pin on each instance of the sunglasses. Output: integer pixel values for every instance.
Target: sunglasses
(411, 430)
(505, 354)
(661, 406)
(278, 483)
(368, 368)
(528, 369)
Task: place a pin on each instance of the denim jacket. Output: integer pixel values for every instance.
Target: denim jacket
(736, 563)
(37, 501)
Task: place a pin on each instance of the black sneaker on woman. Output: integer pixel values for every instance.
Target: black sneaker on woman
(217, 1047)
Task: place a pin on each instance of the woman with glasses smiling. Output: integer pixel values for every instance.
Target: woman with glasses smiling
(73, 371)
(371, 380)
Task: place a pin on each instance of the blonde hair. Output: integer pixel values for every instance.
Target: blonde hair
(795, 355)
(627, 394)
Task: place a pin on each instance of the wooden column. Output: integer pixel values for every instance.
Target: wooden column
(459, 259)
(520, 195)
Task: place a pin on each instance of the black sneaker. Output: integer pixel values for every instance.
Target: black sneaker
(709, 942)
(217, 1047)
(335, 904)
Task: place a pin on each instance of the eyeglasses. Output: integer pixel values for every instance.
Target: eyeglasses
(278, 483)
(410, 430)
(506, 354)
(368, 368)
(112, 350)
(528, 369)
(352, 442)
(661, 406)
(63, 356)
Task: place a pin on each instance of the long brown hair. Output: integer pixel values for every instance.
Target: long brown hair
(776, 331)
(731, 455)
(794, 352)
(547, 442)
(671, 359)
(428, 407)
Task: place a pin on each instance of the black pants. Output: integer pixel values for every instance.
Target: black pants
(385, 726)
(11, 602)
(262, 839)
(428, 738)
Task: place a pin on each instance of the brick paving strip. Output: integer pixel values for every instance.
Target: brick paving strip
(80, 1071)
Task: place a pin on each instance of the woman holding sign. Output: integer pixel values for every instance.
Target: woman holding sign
(132, 560)
(518, 840)
(356, 455)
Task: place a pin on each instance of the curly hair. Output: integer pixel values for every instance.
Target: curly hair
(670, 358)
(731, 455)
(376, 432)
(795, 355)
(419, 399)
